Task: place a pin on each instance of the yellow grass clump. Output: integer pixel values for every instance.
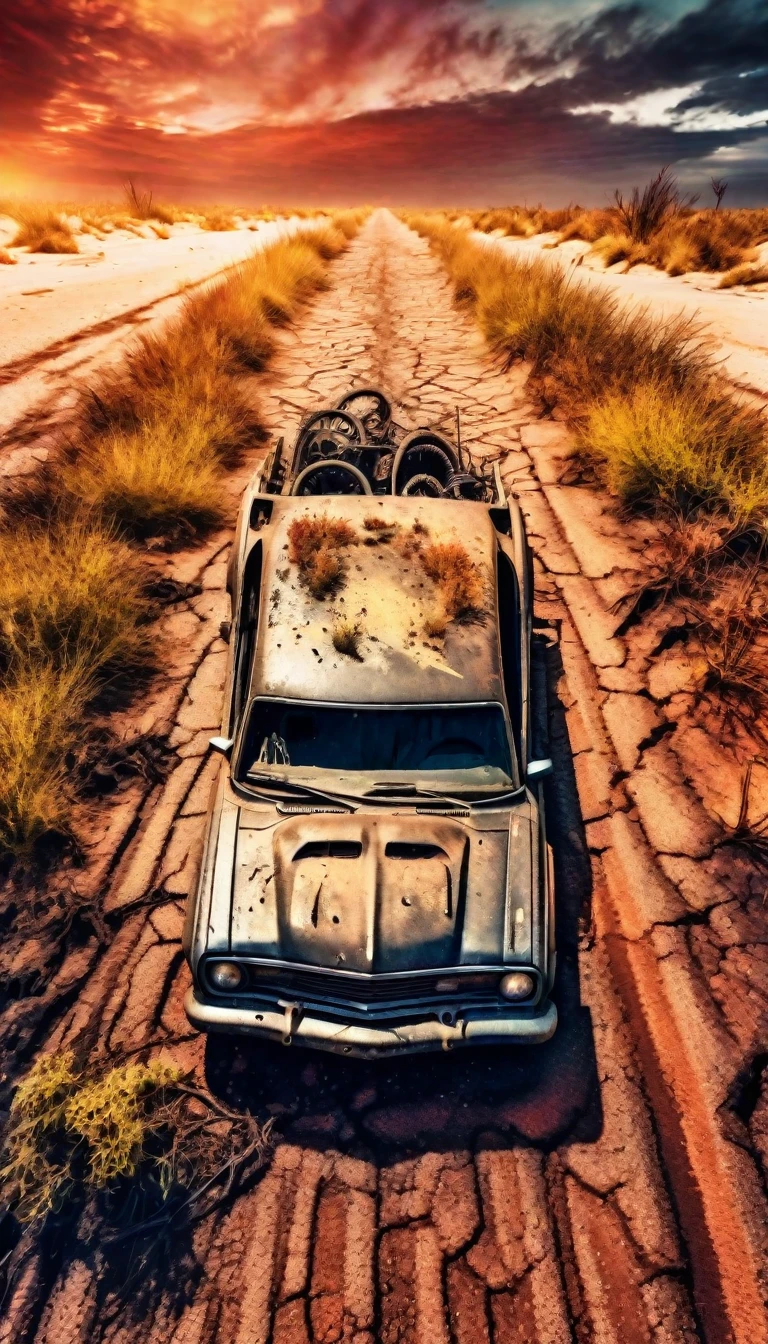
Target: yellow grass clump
(644, 396)
(43, 230)
(72, 618)
(744, 275)
(61, 1114)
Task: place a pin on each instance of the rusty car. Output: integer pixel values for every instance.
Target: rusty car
(375, 877)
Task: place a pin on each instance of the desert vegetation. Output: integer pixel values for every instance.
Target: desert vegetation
(78, 1129)
(316, 547)
(657, 225)
(143, 460)
(655, 420)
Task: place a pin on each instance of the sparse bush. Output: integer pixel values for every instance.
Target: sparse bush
(79, 1128)
(642, 214)
(140, 205)
(43, 230)
(744, 275)
(218, 221)
(458, 578)
(644, 395)
(314, 547)
(686, 450)
(346, 638)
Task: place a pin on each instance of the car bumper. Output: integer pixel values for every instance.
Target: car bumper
(507, 1026)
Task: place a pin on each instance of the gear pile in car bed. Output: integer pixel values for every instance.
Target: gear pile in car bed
(355, 448)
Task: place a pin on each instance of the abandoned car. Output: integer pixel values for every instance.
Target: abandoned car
(375, 877)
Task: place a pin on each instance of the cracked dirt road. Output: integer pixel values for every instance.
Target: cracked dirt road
(601, 1189)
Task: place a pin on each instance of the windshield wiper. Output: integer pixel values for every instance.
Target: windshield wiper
(388, 792)
(293, 786)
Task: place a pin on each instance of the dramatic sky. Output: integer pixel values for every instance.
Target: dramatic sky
(393, 101)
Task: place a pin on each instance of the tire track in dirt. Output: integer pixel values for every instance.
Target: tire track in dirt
(499, 1195)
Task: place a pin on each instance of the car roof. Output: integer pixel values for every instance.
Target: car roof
(387, 592)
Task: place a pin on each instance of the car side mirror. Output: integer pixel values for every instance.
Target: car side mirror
(223, 745)
(225, 630)
(539, 769)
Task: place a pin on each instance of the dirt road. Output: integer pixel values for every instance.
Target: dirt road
(736, 319)
(602, 1189)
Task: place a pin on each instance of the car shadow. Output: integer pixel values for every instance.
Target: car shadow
(535, 1094)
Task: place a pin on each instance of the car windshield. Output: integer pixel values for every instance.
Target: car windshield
(418, 739)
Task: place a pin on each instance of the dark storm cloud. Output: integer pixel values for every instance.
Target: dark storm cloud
(623, 52)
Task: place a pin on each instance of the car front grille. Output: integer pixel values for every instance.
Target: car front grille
(371, 994)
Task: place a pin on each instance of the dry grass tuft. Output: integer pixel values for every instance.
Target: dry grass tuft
(161, 479)
(314, 547)
(698, 448)
(66, 1126)
(346, 637)
(436, 624)
(744, 275)
(458, 578)
(375, 524)
(645, 397)
(77, 1129)
(43, 230)
(72, 620)
(6, 259)
(218, 221)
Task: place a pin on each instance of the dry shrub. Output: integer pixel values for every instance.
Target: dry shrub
(314, 547)
(346, 638)
(701, 447)
(643, 213)
(744, 275)
(70, 596)
(436, 624)
(6, 259)
(375, 524)
(76, 1128)
(72, 619)
(218, 221)
(42, 229)
(161, 479)
(458, 578)
(644, 395)
(588, 226)
(349, 222)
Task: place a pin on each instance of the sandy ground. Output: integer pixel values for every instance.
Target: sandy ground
(737, 319)
(65, 316)
(601, 1189)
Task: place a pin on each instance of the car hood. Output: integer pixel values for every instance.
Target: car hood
(372, 893)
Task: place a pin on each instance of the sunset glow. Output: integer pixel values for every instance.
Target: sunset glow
(466, 100)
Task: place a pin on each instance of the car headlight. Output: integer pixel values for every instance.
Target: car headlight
(226, 975)
(517, 985)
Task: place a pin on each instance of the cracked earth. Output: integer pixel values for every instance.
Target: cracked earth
(607, 1187)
